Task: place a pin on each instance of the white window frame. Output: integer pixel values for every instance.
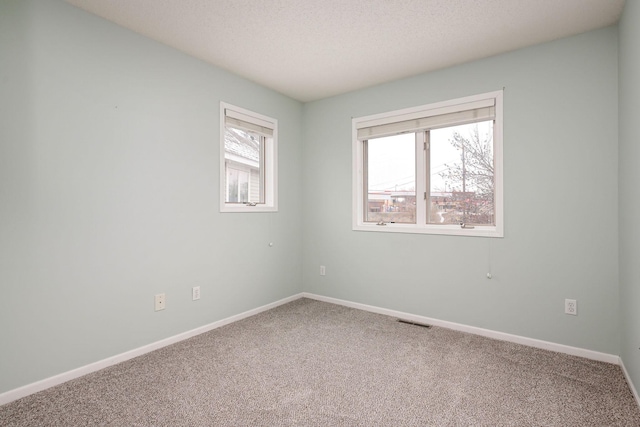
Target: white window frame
(270, 161)
(425, 111)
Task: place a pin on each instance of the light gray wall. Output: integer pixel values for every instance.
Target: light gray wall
(109, 174)
(629, 179)
(561, 203)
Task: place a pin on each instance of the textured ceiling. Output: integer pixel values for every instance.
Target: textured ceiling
(312, 49)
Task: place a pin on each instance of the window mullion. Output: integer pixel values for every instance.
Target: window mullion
(427, 176)
(421, 183)
(365, 181)
(263, 170)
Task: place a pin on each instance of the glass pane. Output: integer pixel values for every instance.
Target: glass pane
(232, 185)
(243, 153)
(243, 187)
(391, 179)
(461, 175)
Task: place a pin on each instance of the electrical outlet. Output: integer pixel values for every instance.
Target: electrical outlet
(160, 302)
(571, 307)
(195, 292)
(323, 270)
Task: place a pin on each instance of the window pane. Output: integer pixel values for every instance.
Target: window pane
(461, 175)
(391, 179)
(243, 187)
(243, 153)
(232, 185)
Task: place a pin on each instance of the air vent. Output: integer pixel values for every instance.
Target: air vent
(409, 322)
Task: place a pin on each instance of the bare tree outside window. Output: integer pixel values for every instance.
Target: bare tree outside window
(466, 192)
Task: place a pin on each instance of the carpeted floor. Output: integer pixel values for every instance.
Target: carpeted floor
(313, 363)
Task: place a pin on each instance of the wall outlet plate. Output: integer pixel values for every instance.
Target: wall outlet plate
(160, 302)
(195, 293)
(323, 270)
(571, 307)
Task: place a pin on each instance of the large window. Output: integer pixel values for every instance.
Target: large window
(432, 169)
(248, 153)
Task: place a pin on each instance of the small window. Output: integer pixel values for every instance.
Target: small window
(248, 173)
(434, 169)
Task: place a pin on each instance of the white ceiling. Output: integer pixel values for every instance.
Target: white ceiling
(312, 49)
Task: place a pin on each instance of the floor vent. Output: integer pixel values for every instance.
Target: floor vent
(409, 322)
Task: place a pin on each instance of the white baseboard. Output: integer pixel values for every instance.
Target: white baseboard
(46, 383)
(631, 386)
(531, 342)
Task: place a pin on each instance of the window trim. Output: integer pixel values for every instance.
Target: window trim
(270, 159)
(421, 226)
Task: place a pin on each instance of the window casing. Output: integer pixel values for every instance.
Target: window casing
(433, 169)
(248, 161)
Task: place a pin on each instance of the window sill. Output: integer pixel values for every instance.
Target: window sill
(248, 209)
(449, 230)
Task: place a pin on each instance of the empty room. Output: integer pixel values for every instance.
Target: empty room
(279, 212)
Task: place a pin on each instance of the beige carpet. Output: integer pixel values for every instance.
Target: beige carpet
(313, 363)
